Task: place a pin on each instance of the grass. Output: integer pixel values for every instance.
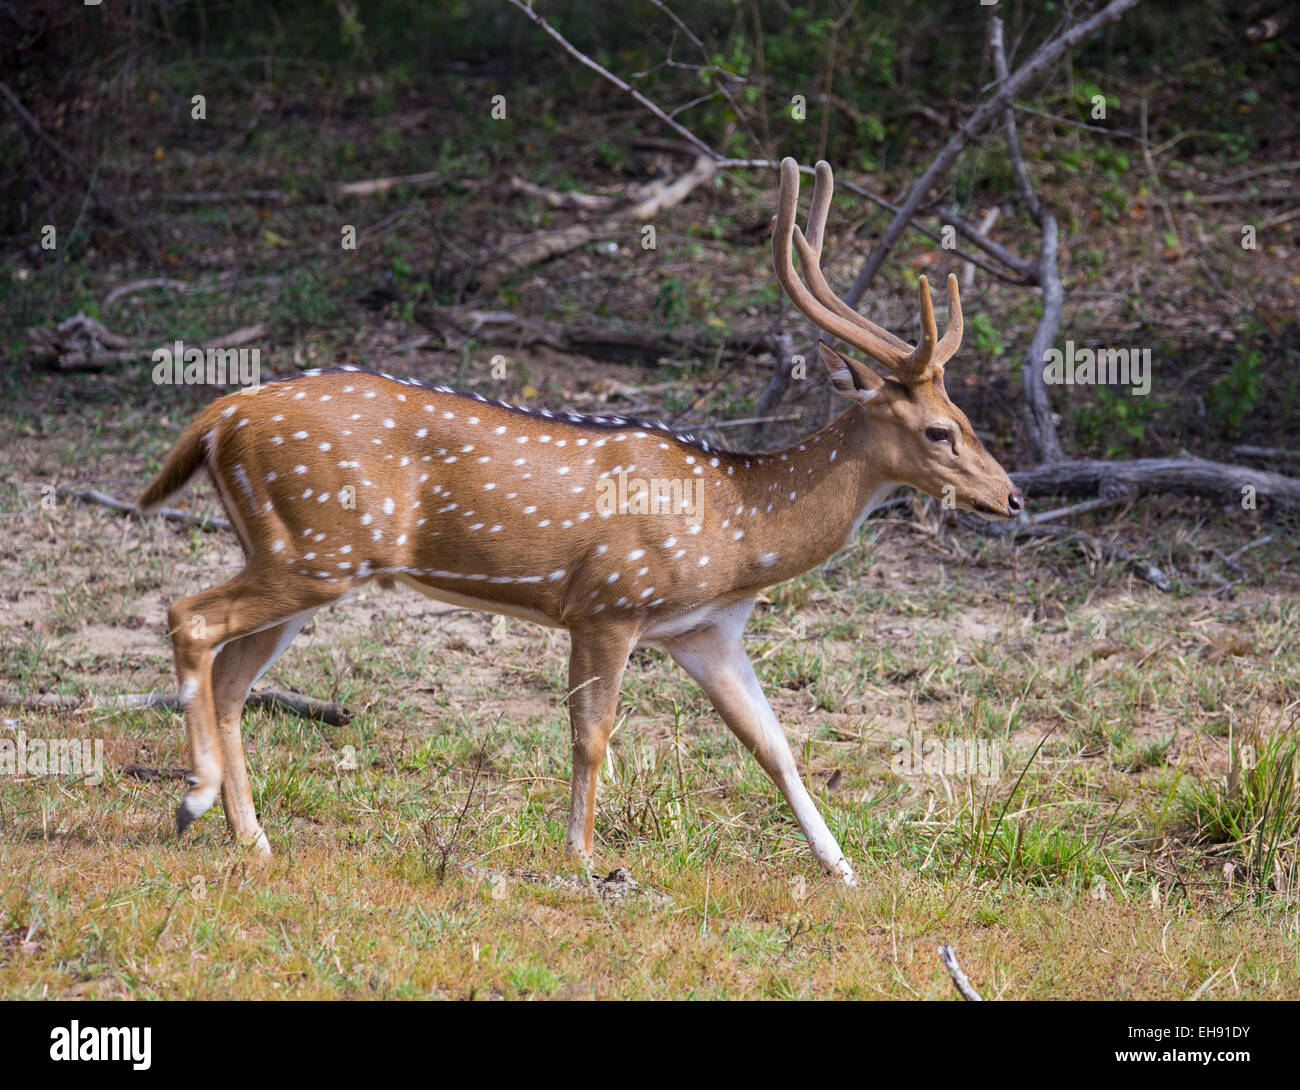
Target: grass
(1255, 806)
(1137, 836)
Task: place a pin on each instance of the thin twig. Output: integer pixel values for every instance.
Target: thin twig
(206, 523)
(133, 286)
(447, 850)
(1120, 134)
(306, 707)
(756, 420)
(988, 111)
(1156, 186)
(582, 58)
(381, 185)
(1078, 509)
(962, 983)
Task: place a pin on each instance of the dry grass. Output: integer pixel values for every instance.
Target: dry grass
(1090, 876)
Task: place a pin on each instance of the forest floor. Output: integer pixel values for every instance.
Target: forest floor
(1130, 831)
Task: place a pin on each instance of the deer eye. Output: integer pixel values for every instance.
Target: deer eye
(938, 435)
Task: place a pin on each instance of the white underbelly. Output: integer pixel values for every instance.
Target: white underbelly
(657, 631)
(468, 602)
(682, 623)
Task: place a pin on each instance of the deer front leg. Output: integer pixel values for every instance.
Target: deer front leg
(715, 657)
(596, 662)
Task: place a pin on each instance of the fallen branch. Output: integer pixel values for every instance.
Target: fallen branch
(207, 523)
(1285, 17)
(380, 185)
(1265, 197)
(81, 343)
(548, 244)
(779, 383)
(1079, 509)
(1186, 474)
(583, 202)
(457, 325)
(959, 979)
(329, 712)
(133, 286)
(786, 418)
(1232, 556)
(1247, 451)
(235, 196)
(1255, 172)
(306, 707)
(1280, 218)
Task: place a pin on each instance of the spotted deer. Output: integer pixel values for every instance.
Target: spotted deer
(621, 531)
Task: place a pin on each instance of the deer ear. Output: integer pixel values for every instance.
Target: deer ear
(854, 380)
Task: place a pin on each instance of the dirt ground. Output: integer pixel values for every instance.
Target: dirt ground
(438, 810)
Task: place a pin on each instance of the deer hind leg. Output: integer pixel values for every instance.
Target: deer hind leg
(201, 626)
(235, 669)
(715, 657)
(596, 663)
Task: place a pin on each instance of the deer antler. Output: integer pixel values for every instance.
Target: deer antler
(827, 311)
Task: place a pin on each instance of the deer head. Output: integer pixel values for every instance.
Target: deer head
(919, 437)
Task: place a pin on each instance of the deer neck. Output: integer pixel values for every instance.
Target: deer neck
(812, 496)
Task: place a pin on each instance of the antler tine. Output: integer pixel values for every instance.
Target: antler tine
(823, 308)
(828, 311)
(921, 360)
(810, 255)
(951, 340)
(927, 359)
(819, 206)
(785, 235)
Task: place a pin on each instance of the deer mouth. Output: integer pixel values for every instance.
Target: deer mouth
(990, 513)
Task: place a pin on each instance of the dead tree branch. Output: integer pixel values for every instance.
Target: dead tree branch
(306, 707)
(1195, 476)
(959, 979)
(81, 343)
(548, 244)
(582, 202)
(456, 325)
(1043, 440)
(582, 58)
(783, 349)
(207, 523)
(381, 185)
(985, 114)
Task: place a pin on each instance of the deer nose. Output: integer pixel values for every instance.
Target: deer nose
(1015, 502)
